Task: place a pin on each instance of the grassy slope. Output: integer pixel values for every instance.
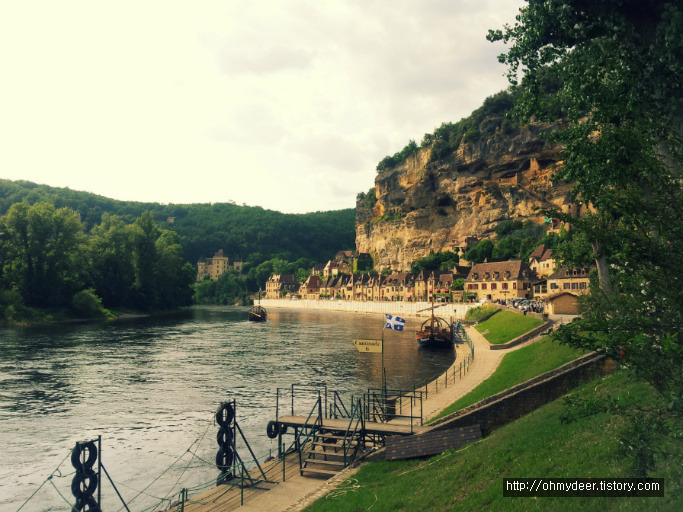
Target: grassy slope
(516, 367)
(506, 325)
(537, 445)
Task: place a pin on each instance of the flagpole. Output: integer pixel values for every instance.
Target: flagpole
(384, 379)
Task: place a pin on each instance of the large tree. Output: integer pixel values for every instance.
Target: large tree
(43, 253)
(613, 69)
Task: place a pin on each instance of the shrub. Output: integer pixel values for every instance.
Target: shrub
(87, 304)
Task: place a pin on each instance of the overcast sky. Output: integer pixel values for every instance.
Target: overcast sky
(287, 105)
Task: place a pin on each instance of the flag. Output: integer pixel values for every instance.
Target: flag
(394, 322)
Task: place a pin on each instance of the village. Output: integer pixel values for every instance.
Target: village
(538, 284)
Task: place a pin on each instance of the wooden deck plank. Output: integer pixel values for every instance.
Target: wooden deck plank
(431, 443)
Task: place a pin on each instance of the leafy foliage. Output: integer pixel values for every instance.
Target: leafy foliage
(203, 229)
(435, 261)
(619, 72)
(48, 261)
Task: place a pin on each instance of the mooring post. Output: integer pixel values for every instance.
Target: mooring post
(99, 472)
(182, 500)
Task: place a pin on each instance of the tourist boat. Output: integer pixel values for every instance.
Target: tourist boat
(258, 313)
(435, 332)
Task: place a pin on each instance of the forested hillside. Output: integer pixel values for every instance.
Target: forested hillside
(240, 231)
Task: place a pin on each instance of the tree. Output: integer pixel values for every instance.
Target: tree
(617, 70)
(44, 253)
(111, 260)
(483, 250)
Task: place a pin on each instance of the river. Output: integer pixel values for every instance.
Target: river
(150, 386)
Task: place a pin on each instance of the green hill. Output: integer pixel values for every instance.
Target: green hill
(204, 228)
(541, 444)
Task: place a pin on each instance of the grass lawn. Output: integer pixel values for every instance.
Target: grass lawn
(523, 364)
(506, 325)
(537, 445)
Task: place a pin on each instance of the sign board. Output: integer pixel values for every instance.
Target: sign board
(368, 345)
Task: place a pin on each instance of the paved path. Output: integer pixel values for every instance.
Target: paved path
(298, 492)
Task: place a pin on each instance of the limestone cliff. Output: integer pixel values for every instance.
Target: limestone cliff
(427, 206)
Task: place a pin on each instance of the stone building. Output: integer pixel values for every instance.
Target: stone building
(216, 266)
(500, 280)
(279, 285)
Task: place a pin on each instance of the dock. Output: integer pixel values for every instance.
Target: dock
(392, 428)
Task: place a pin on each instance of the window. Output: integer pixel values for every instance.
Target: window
(514, 285)
(494, 286)
(483, 286)
(505, 286)
(566, 286)
(582, 286)
(553, 286)
(575, 286)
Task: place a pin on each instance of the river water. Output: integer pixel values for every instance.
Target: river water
(149, 388)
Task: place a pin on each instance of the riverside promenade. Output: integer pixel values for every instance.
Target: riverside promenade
(414, 309)
(297, 492)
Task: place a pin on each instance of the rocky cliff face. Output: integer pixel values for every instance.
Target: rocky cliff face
(427, 206)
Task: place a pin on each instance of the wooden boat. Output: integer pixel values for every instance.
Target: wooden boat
(435, 332)
(258, 313)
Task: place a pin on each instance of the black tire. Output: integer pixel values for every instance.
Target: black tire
(83, 485)
(272, 429)
(224, 437)
(87, 505)
(88, 447)
(224, 460)
(225, 415)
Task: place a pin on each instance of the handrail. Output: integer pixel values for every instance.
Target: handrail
(359, 420)
(311, 430)
(334, 406)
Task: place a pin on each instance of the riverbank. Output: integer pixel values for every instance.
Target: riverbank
(409, 309)
(298, 492)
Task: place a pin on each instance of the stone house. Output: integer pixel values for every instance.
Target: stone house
(336, 267)
(279, 285)
(541, 261)
(310, 289)
(396, 285)
(574, 280)
(500, 280)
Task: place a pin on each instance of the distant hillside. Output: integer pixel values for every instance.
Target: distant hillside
(205, 228)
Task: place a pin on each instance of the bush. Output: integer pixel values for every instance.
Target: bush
(87, 304)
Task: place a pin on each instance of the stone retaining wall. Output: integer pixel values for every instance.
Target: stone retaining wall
(417, 309)
(508, 405)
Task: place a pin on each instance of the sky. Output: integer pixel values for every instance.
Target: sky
(288, 105)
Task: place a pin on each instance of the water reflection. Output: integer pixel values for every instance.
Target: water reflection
(150, 386)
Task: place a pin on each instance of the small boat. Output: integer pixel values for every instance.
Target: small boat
(258, 313)
(435, 332)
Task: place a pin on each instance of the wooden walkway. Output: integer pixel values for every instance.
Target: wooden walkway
(401, 427)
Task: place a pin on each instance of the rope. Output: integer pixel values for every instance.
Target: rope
(48, 479)
(197, 442)
(71, 505)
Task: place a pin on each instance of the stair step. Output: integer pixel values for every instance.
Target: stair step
(335, 447)
(331, 436)
(320, 471)
(325, 462)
